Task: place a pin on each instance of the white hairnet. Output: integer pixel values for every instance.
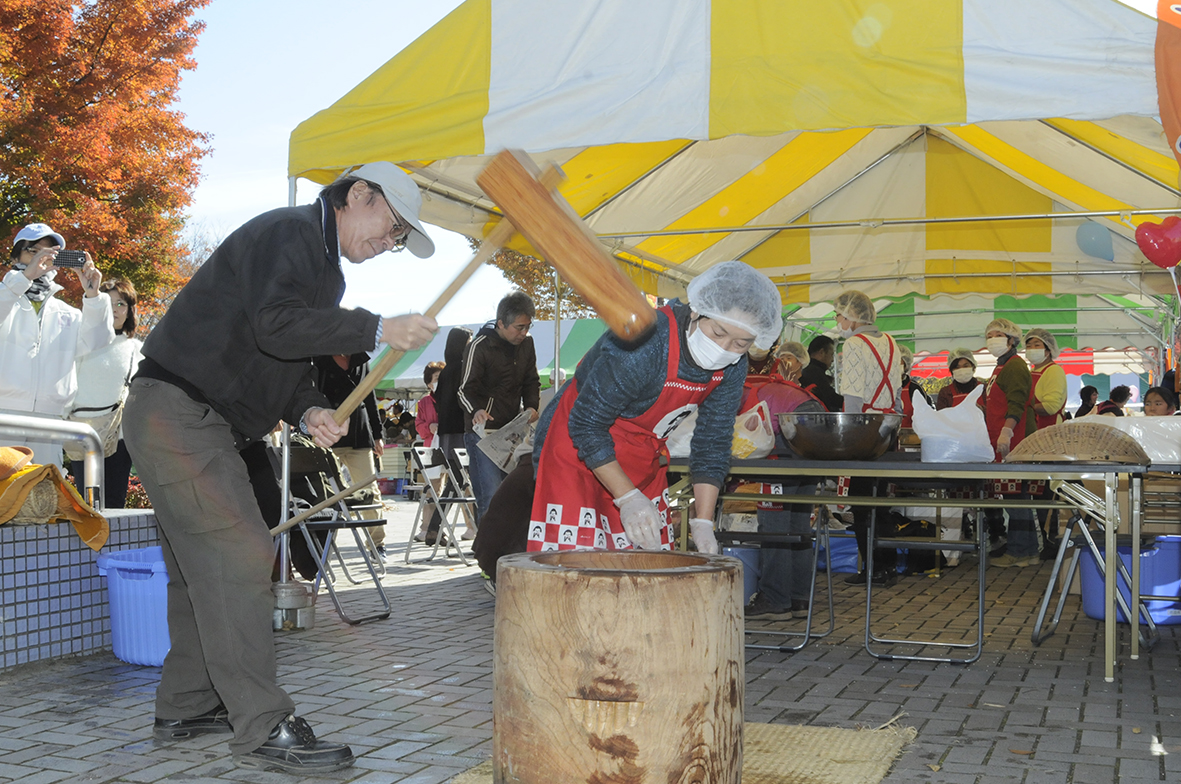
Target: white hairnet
(737, 294)
(961, 353)
(855, 306)
(1045, 337)
(797, 350)
(1005, 326)
(907, 358)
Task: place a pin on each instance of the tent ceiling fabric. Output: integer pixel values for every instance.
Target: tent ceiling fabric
(673, 117)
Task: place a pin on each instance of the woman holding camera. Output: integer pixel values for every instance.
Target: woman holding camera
(41, 337)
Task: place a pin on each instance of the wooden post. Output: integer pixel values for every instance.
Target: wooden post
(622, 666)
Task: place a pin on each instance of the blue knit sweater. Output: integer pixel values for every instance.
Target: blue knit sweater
(616, 380)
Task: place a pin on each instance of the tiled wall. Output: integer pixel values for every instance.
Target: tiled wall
(52, 600)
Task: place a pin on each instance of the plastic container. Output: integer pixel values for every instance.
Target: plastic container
(1160, 573)
(844, 555)
(137, 583)
(749, 555)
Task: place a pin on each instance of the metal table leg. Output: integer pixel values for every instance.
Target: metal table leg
(1134, 488)
(1111, 577)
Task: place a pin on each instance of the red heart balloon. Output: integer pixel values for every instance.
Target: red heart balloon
(1161, 242)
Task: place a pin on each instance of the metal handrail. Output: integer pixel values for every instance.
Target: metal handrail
(60, 431)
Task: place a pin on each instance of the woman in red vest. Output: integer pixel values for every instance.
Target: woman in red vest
(962, 365)
(1009, 418)
(1047, 396)
(600, 451)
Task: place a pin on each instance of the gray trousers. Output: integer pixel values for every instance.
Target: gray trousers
(218, 552)
(785, 570)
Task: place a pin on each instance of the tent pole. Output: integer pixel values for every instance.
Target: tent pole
(290, 191)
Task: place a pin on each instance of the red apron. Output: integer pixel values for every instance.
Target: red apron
(1043, 420)
(884, 384)
(958, 397)
(996, 410)
(571, 508)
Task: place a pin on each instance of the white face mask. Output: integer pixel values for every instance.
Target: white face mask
(997, 346)
(707, 354)
(963, 375)
(846, 333)
(1035, 355)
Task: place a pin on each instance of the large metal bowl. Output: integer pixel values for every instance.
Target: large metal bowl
(839, 436)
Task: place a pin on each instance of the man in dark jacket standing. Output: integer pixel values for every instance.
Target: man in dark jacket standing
(815, 378)
(226, 363)
(499, 379)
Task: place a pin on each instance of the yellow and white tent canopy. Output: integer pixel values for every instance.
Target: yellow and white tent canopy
(683, 126)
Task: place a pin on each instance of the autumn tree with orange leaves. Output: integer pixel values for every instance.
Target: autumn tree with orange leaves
(536, 278)
(88, 141)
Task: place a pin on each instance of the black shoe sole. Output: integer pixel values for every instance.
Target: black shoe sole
(185, 733)
(260, 762)
(772, 616)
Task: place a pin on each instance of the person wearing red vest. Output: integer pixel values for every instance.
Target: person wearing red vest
(1047, 396)
(1009, 418)
(600, 448)
(869, 380)
(962, 365)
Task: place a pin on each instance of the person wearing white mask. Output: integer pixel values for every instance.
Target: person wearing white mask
(1009, 416)
(599, 450)
(962, 365)
(869, 379)
(1047, 378)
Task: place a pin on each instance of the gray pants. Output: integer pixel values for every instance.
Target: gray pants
(219, 554)
(785, 570)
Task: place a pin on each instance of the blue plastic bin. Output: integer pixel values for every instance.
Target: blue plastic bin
(137, 583)
(749, 555)
(1160, 574)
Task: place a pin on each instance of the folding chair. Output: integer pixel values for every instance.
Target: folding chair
(449, 504)
(341, 516)
(1089, 506)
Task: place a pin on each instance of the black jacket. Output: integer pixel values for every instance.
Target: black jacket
(243, 330)
(447, 390)
(498, 377)
(816, 380)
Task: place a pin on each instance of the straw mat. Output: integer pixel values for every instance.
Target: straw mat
(791, 754)
(1083, 441)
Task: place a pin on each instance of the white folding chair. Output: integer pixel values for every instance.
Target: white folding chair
(454, 498)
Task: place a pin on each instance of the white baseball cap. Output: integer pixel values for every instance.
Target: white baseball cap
(403, 196)
(37, 231)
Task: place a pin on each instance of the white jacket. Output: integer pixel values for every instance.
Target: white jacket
(38, 351)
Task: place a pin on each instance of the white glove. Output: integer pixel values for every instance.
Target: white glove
(703, 535)
(1003, 442)
(641, 520)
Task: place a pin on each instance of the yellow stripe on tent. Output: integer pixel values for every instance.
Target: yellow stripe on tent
(755, 192)
(599, 173)
(977, 277)
(418, 105)
(961, 185)
(791, 248)
(780, 66)
(1065, 188)
(1162, 168)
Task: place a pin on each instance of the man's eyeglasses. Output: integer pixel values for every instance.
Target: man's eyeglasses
(398, 231)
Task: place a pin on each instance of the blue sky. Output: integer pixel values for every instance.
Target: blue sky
(264, 66)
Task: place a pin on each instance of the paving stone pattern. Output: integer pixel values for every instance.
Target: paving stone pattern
(413, 694)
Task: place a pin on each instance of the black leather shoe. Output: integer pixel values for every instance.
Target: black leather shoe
(855, 579)
(885, 579)
(293, 747)
(216, 720)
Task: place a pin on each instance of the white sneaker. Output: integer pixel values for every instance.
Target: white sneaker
(468, 535)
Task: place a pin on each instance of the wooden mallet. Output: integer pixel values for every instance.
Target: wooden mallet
(567, 243)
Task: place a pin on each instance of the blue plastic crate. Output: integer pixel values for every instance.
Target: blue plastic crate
(137, 584)
(1160, 574)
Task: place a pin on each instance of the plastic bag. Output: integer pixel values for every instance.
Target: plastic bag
(953, 435)
(753, 436)
(1160, 437)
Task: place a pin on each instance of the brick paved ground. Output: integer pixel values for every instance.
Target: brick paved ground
(413, 694)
